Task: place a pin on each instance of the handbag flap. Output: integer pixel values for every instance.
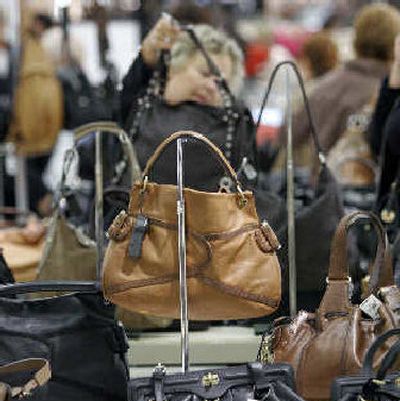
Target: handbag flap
(213, 383)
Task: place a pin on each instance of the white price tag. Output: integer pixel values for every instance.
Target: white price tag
(370, 306)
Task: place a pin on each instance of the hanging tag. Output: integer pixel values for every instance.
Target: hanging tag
(370, 306)
(250, 172)
(139, 230)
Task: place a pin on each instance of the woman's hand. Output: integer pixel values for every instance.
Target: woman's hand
(394, 77)
(191, 85)
(161, 37)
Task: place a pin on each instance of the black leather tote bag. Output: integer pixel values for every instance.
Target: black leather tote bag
(253, 381)
(230, 127)
(77, 333)
(315, 223)
(368, 385)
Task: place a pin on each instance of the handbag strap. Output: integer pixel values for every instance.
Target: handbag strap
(336, 295)
(200, 138)
(221, 82)
(318, 148)
(114, 129)
(367, 368)
(41, 376)
(50, 286)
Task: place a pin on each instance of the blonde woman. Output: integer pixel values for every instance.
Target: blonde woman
(192, 97)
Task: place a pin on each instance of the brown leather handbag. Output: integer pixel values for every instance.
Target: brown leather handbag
(233, 271)
(332, 341)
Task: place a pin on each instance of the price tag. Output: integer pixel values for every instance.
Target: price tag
(370, 306)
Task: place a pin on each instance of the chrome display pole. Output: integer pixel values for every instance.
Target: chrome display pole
(180, 208)
(20, 179)
(290, 201)
(99, 224)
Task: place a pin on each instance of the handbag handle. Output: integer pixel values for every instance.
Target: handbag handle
(50, 286)
(200, 138)
(367, 368)
(221, 82)
(320, 153)
(115, 129)
(336, 295)
(40, 377)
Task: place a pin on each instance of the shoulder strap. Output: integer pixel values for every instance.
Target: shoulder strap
(41, 376)
(300, 80)
(367, 368)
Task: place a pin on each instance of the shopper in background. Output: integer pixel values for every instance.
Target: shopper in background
(318, 56)
(192, 98)
(346, 90)
(37, 111)
(188, 78)
(384, 129)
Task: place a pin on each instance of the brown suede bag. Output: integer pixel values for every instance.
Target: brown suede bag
(332, 342)
(232, 269)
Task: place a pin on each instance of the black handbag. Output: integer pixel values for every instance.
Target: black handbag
(230, 127)
(253, 381)
(82, 103)
(379, 386)
(315, 222)
(77, 333)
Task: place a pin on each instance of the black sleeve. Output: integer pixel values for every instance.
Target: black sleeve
(133, 85)
(392, 129)
(386, 100)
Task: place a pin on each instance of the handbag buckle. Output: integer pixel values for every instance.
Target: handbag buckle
(242, 202)
(210, 379)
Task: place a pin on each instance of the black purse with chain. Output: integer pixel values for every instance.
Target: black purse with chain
(230, 127)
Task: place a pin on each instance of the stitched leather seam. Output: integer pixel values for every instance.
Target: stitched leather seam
(172, 277)
(171, 226)
(299, 372)
(343, 357)
(239, 292)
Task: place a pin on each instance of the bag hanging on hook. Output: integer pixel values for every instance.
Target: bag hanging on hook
(315, 223)
(233, 271)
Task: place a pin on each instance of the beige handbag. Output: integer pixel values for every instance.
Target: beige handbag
(233, 271)
(69, 254)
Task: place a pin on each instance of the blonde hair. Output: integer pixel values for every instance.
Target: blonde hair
(376, 27)
(215, 42)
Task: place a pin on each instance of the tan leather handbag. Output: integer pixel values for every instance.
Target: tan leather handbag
(332, 342)
(233, 271)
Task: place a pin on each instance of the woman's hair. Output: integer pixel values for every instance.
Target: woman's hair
(321, 52)
(215, 42)
(376, 27)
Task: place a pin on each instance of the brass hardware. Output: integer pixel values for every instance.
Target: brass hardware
(266, 350)
(388, 216)
(242, 202)
(144, 184)
(210, 379)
